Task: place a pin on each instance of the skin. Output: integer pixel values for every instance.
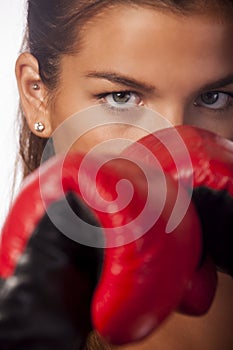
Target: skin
(173, 72)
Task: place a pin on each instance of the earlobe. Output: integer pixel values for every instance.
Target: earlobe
(32, 93)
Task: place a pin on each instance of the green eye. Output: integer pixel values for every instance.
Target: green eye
(121, 97)
(122, 100)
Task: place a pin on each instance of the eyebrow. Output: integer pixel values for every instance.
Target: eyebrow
(147, 88)
(122, 80)
(219, 83)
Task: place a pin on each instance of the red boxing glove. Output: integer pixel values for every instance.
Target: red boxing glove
(212, 172)
(49, 279)
(203, 162)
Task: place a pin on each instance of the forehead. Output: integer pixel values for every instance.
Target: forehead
(139, 32)
(124, 15)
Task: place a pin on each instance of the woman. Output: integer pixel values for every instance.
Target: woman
(174, 57)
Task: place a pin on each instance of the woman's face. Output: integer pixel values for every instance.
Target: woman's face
(179, 66)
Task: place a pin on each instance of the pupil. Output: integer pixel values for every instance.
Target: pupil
(121, 97)
(210, 98)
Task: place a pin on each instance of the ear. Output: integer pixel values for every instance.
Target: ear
(33, 94)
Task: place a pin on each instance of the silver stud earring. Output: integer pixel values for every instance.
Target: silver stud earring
(35, 86)
(39, 127)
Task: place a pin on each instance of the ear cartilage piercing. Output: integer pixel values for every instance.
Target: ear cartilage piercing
(35, 86)
(39, 127)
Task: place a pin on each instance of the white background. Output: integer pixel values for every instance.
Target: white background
(12, 22)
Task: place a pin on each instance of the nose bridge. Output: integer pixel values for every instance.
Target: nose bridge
(172, 110)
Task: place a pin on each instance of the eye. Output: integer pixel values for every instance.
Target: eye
(122, 99)
(214, 100)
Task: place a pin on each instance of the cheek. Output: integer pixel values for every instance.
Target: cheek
(220, 124)
(66, 106)
(227, 131)
(71, 98)
(109, 139)
(105, 139)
